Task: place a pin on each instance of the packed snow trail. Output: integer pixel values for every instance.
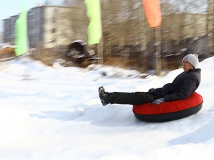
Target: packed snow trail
(55, 113)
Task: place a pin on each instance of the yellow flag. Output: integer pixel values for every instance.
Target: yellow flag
(94, 15)
(21, 37)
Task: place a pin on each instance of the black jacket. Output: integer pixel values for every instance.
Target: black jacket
(181, 87)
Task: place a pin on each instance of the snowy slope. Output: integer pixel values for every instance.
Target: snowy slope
(55, 113)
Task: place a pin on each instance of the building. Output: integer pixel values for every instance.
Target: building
(8, 29)
(49, 26)
(1, 37)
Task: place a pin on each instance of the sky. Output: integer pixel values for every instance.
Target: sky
(54, 113)
(12, 7)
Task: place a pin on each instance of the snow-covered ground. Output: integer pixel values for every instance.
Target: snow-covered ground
(55, 113)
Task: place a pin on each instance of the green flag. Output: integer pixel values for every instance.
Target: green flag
(94, 15)
(21, 36)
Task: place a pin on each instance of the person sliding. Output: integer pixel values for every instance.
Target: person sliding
(181, 88)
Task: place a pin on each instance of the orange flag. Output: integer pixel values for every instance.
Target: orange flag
(152, 12)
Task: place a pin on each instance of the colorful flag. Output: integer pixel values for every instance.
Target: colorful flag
(95, 27)
(21, 36)
(152, 12)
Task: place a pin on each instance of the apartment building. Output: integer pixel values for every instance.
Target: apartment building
(48, 26)
(8, 29)
(1, 37)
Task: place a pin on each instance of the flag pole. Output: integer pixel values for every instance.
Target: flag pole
(95, 26)
(100, 51)
(153, 14)
(158, 49)
(21, 36)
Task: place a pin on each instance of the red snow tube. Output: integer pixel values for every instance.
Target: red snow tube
(169, 111)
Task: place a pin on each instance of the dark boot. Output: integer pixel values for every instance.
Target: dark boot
(105, 99)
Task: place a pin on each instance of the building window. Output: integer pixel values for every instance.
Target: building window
(37, 30)
(53, 40)
(32, 12)
(63, 35)
(38, 10)
(53, 30)
(31, 22)
(53, 20)
(55, 10)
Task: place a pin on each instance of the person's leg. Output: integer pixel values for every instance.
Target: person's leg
(125, 98)
(134, 98)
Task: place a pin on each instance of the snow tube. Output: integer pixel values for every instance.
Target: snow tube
(169, 111)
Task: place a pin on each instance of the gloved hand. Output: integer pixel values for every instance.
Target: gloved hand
(158, 101)
(152, 90)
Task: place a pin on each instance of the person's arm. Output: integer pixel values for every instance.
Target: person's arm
(188, 87)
